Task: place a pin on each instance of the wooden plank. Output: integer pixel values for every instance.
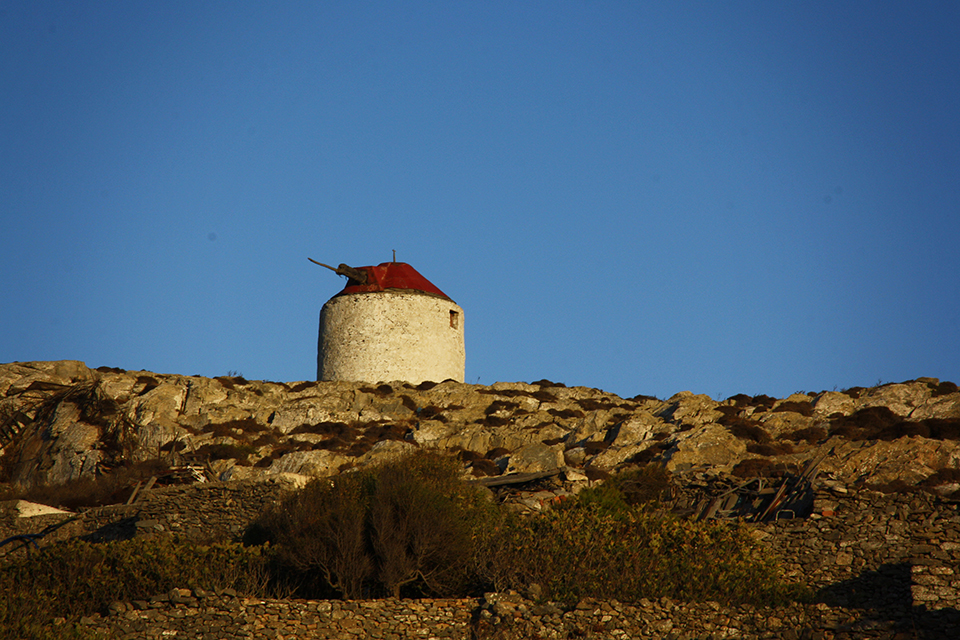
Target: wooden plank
(136, 490)
(712, 509)
(773, 503)
(514, 478)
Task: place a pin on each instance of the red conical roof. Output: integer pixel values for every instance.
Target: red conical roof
(393, 275)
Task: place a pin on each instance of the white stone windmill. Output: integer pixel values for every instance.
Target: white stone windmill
(389, 323)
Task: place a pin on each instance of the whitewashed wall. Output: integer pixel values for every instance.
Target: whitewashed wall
(383, 336)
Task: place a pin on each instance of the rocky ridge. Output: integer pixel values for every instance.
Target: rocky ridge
(61, 421)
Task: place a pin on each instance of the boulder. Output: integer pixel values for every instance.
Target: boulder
(472, 438)
(318, 464)
(575, 457)
(386, 451)
(310, 410)
(226, 470)
(942, 408)
(779, 423)
(428, 432)
(18, 377)
(609, 458)
(65, 449)
(627, 439)
(901, 399)
(711, 445)
(689, 410)
(831, 402)
(534, 458)
(909, 460)
(26, 509)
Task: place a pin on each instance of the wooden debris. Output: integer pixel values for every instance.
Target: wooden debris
(752, 501)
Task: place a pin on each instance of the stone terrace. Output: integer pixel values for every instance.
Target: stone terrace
(885, 565)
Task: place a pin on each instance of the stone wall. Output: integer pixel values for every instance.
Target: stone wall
(185, 613)
(196, 614)
(205, 510)
(884, 564)
(423, 339)
(873, 550)
(213, 510)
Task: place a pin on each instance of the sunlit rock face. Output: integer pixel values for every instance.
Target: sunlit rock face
(61, 421)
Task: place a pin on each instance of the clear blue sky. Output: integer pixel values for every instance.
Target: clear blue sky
(645, 197)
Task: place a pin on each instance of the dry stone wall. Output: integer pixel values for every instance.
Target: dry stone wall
(886, 551)
(885, 566)
(186, 613)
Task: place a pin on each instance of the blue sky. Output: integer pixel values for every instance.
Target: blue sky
(645, 197)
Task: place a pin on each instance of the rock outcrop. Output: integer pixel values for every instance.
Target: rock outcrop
(61, 421)
(882, 554)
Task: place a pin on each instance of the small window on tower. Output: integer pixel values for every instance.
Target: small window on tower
(454, 319)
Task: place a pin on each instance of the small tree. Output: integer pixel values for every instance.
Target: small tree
(408, 525)
(421, 520)
(322, 528)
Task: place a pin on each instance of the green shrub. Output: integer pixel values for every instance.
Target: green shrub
(591, 551)
(605, 497)
(322, 528)
(613, 542)
(421, 526)
(646, 485)
(79, 578)
(408, 526)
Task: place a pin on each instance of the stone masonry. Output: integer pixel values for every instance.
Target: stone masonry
(884, 566)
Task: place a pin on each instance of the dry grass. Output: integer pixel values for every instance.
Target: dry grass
(753, 468)
(810, 435)
(749, 430)
(110, 488)
(770, 448)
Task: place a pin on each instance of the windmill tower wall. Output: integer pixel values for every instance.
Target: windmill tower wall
(376, 337)
(390, 323)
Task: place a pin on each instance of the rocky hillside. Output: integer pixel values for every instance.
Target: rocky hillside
(61, 421)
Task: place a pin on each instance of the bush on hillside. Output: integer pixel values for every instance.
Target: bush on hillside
(646, 485)
(422, 521)
(405, 527)
(79, 578)
(614, 542)
(322, 528)
(588, 550)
